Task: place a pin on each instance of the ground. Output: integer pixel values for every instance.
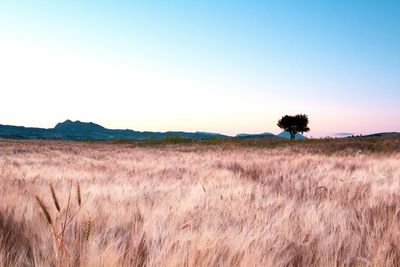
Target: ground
(199, 204)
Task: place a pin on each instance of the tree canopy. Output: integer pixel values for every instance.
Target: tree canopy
(294, 124)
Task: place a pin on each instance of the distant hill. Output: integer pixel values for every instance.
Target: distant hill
(78, 126)
(255, 136)
(286, 135)
(388, 134)
(77, 130)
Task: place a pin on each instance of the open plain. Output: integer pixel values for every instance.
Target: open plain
(200, 204)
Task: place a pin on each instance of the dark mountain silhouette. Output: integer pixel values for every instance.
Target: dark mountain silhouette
(78, 126)
(77, 130)
(256, 136)
(389, 134)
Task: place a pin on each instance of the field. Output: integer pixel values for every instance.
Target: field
(264, 203)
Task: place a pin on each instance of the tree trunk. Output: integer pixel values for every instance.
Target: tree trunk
(292, 135)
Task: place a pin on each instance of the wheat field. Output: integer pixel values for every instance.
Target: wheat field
(196, 205)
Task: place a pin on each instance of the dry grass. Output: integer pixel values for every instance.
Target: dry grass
(195, 205)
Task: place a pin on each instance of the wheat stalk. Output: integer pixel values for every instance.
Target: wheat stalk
(45, 210)
(61, 251)
(88, 229)
(78, 193)
(54, 196)
(52, 229)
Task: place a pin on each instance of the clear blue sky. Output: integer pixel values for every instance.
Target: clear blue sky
(223, 66)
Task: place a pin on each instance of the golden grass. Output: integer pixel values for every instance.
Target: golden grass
(195, 205)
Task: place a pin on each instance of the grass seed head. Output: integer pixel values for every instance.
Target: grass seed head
(54, 196)
(78, 193)
(44, 209)
(88, 229)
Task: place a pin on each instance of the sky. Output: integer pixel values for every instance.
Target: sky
(217, 66)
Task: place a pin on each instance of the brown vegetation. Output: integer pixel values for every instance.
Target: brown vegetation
(261, 203)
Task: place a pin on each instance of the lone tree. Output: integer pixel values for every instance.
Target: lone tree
(294, 124)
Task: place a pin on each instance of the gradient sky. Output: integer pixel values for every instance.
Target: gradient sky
(217, 66)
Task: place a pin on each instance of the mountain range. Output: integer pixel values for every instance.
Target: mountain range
(77, 130)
